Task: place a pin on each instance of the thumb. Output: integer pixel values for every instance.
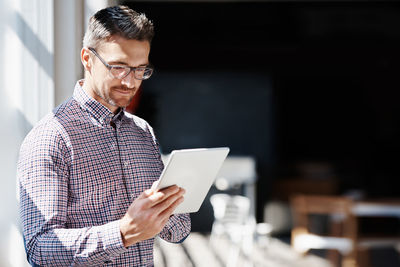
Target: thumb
(154, 186)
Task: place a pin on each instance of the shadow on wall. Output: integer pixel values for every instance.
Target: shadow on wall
(14, 128)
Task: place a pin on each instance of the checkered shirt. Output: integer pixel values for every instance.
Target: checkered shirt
(78, 175)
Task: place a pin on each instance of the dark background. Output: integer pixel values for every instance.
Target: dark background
(286, 82)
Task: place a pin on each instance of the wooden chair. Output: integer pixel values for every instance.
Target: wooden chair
(342, 214)
(341, 227)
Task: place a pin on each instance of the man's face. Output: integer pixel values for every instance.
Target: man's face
(101, 85)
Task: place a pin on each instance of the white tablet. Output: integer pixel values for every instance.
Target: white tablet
(194, 170)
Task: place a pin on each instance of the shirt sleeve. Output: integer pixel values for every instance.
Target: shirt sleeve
(177, 228)
(43, 178)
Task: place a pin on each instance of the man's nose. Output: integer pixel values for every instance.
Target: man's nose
(129, 80)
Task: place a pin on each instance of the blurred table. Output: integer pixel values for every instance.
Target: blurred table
(195, 251)
(377, 208)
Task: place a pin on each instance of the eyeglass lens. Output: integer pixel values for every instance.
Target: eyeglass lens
(121, 72)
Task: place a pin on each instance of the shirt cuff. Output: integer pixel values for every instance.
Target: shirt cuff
(177, 228)
(112, 240)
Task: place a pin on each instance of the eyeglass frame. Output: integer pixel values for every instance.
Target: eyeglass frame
(110, 67)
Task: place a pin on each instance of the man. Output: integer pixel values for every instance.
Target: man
(86, 169)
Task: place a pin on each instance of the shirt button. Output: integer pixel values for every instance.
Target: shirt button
(126, 163)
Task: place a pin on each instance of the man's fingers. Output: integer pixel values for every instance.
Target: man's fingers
(165, 204)
(170, 189)
(161, 195)
(170, 209)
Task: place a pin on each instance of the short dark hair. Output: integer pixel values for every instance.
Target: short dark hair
(117, 20)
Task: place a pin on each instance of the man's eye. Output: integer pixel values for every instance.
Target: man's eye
(118, 67)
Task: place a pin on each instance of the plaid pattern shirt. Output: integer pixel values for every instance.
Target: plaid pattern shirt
(79, 170)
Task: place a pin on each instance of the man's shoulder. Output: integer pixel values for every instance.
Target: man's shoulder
(44, 134)
(55, 121)
(68, 110)
(137, 121)
(141, 125)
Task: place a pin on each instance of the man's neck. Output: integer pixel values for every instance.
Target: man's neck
(87, 87)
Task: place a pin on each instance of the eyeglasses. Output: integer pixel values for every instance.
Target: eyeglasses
(120, 72)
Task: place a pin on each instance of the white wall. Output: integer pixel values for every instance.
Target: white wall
(68, 34)
(91, 6)
(26, 94)
(40, 42)
(71, 18)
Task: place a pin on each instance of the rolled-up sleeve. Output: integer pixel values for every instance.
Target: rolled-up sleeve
(43, 175)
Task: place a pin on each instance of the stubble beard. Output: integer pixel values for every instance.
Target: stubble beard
(107, 98)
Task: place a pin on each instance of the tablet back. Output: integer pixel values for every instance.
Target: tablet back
(194, 170)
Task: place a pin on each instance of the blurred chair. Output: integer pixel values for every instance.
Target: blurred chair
(342, 227)
(232, 220)
(343, 233)
(239, 171)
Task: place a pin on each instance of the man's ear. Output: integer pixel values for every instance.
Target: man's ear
(85, 59)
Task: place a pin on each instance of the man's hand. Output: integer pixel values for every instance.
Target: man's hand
(148, 214)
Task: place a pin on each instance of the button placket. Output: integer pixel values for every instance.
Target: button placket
(112, 145)
(126, 163)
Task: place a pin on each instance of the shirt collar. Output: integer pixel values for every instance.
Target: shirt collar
(95, 108)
